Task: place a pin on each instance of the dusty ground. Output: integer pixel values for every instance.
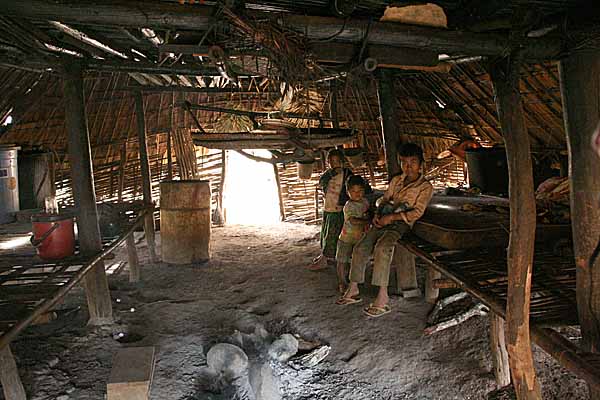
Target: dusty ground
(257, 278)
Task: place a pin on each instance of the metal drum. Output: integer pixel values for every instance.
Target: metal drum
(185, 221)
(9, 184)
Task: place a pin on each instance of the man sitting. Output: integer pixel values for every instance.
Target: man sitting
(403, 203)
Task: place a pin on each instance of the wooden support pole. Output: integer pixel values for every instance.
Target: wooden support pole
(334, 104)
(279, 193)
(145, 172)
(432, 292)
(122, 165)
(221, 206)
(500, 362)
(406, 272)
(387, 106)
(132, 258)
(9, 376)
(505, 78)
(80, 160)
(170, 140)
(580, 87)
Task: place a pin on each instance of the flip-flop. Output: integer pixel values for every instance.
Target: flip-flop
(346, 301)
(376, 311)
(317, 267)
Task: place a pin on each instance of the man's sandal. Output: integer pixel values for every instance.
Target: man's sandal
(376, 311)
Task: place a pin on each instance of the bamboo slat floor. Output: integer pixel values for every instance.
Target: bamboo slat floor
(28, 283)
(482, 272)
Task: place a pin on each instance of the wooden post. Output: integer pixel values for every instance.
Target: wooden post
(122, 165)
(505, 78)
(9, 376)
(431, 291)
(334, 104)
(169, 140)
(279, 193)
(498, 348)
(580, 83)
(145, 172)
(387, 107)
(132, 258)
(406, 272)
(80, 160)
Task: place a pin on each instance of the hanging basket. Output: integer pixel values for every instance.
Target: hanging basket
(305, 169)
(355, 156)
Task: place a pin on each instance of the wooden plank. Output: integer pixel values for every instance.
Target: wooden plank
(500, 363)
(505, 78)
(580, 79)
(9, 376)
(96, 284)
(131, 374)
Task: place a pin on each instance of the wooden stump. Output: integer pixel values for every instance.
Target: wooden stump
(9, 376)
(132, 258)
(431, 291)
(499, 353)
(406, 272)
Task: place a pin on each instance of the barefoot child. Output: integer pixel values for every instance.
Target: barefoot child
(356, 221)
(333, 184)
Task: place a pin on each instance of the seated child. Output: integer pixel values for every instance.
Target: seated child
(403, 203)
(356, 221)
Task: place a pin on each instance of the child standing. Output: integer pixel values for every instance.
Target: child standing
(356, 221)
(333, 184)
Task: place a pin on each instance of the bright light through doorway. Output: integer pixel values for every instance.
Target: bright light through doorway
(250, 190)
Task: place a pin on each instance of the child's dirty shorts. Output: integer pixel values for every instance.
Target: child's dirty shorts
(343, 252)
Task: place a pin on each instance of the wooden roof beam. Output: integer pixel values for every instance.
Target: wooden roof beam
(139, 14)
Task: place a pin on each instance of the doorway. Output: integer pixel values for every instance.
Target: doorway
(250, 196)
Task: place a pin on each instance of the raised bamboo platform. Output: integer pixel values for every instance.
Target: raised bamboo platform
(30, 287)
(482, 272)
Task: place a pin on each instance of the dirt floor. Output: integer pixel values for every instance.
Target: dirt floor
(256, 284)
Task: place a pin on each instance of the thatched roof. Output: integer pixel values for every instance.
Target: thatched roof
(270, 59)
